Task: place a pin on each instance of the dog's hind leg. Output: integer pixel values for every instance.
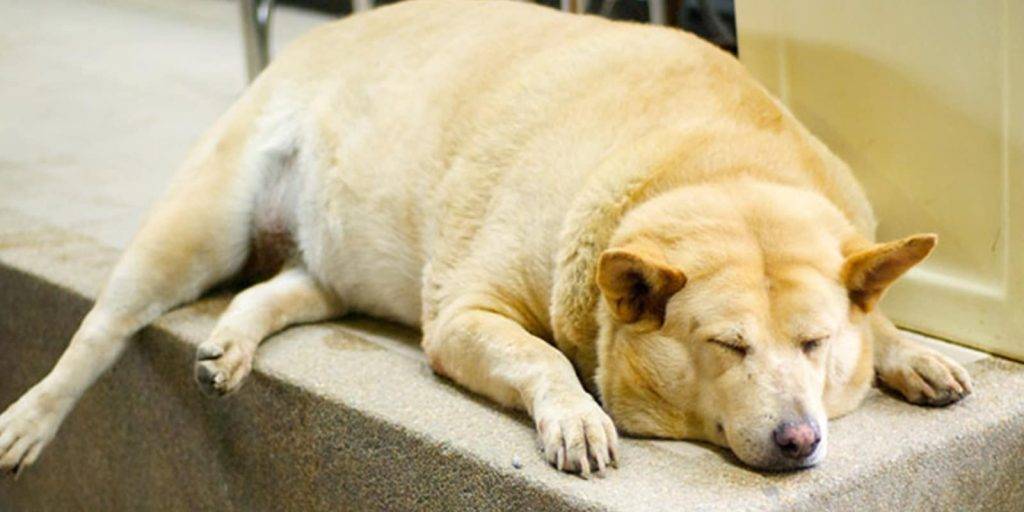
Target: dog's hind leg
(291, 297)
(922, 375)
(197, 236)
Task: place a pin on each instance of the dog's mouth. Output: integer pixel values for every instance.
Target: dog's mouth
(789, 465)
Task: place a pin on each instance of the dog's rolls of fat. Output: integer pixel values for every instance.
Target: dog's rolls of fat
(544, 194)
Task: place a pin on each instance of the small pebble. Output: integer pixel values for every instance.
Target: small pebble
(516, 463)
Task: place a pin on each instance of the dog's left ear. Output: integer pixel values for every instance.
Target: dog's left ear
(867, 273)
(637, 283)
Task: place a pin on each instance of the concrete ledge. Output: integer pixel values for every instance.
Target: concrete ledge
(348, 416)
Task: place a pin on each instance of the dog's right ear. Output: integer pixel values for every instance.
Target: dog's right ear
(637, 284)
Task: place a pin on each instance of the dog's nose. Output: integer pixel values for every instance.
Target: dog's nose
(797, 440)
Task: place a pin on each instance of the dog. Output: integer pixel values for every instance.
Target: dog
(608, 225)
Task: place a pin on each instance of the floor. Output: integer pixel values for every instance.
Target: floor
(94, 92)
(100, 100)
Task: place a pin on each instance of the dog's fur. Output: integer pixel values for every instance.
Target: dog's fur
(560, 202)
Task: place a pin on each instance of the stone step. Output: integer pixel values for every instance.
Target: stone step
(347, 415)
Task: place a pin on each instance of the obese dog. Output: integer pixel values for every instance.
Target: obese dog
(568, 207)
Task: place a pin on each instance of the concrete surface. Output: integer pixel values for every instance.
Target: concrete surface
(335, 419)
(98, 101)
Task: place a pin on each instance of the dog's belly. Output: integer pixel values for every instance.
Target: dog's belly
(350, 214)
(364, 249)
(371, 269)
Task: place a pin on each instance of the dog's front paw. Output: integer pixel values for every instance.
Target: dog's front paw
(925, 377)
(576, 435)
(26, 427)
(222, 363)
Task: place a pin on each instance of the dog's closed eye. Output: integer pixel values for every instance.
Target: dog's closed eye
(735, 346)
(812, 344)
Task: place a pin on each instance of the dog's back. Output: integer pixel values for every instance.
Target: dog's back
(420, 121)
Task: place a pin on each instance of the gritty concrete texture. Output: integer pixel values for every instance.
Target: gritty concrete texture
(99, 100)
(336, 418)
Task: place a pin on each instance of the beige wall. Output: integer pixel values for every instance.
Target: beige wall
(925, 100)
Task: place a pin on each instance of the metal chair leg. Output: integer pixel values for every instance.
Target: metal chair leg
(362, 5)
(656, 12)
(255, 33)
(665, 12)
(575, 6)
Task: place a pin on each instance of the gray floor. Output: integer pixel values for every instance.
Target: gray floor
(94, 92)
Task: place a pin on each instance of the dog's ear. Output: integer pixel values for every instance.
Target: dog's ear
(868, 272)
(637, 283)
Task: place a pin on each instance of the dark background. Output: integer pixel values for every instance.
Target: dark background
(692, 15)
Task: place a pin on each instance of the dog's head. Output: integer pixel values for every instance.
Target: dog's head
(737, 314)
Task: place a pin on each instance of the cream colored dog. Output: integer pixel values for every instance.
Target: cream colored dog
(562, 203)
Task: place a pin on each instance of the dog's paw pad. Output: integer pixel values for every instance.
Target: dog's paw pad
(929, 378)
(577, 436)
(26, 427)
(222, 365)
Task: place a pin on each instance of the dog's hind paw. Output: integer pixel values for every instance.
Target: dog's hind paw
(576, 435)
(926, 377)
(223, 363)
(26, 427)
